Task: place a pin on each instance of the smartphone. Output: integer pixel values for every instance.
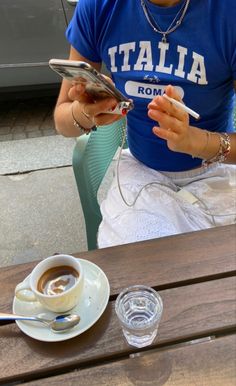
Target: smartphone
(96, 85)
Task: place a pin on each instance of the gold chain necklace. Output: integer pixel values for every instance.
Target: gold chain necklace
(176, 22)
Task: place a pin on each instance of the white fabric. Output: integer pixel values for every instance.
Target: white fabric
(161, 209)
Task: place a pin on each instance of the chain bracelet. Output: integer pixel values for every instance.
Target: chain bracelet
(223, 152)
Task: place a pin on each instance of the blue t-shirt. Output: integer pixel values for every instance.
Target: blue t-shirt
(199, 59)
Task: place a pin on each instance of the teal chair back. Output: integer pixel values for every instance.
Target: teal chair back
(92, 155)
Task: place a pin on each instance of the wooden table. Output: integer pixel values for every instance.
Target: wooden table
(195, 275)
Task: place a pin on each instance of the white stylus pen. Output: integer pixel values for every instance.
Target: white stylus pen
(182, 106)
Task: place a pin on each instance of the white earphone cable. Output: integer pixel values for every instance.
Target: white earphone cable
(131, 204)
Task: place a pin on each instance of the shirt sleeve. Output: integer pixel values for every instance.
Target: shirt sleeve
(232, 36)
(81, 32)
(233, 63)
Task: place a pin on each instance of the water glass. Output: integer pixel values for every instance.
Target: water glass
(139, 309)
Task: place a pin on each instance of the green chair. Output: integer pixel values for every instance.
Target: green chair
(92, 155)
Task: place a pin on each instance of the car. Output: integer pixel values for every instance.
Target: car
(32, 32)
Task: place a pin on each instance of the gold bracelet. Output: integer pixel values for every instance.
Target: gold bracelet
(78, 125)
(223, 152)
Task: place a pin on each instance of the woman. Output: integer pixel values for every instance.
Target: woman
(176, 176)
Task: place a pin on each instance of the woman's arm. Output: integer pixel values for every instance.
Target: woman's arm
(73, 104)
(180, 136)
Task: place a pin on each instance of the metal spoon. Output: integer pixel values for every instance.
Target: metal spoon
(59, 324)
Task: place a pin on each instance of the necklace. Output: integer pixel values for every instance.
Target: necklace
(173, 25)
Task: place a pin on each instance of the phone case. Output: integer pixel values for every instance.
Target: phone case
(95, 84)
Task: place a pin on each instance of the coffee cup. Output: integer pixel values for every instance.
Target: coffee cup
(56, 283)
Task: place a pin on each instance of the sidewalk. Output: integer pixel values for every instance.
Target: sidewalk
(40, 211)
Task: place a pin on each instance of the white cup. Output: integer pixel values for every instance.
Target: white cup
(27, 290)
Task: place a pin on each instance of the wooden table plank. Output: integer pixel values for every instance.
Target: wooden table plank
(190, 311)
(169, 261)
(209, 363)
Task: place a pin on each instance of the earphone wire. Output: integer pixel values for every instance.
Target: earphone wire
(124, 134)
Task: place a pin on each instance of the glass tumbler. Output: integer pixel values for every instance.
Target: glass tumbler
(139, 309)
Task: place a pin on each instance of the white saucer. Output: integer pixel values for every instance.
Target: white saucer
(91, 306)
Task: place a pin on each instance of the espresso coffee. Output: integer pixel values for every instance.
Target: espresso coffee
(57, 280)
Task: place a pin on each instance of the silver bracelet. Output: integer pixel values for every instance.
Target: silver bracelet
(78, 125)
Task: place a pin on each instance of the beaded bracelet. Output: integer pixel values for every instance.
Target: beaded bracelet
(222, 153)
(78, 125)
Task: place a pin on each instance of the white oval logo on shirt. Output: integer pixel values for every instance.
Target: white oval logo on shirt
(149, 91)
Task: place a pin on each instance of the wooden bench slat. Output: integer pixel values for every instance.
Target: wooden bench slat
(168, 262)
(210, 363)
(190, 311)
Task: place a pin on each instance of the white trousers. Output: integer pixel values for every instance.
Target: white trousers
(171, 203)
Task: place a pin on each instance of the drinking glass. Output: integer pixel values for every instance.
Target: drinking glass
(139, 309)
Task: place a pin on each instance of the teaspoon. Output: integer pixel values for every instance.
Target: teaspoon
(58, 324)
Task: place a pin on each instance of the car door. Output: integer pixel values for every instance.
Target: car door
(32, 32)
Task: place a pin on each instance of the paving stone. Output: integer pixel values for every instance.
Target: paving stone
(48, 132)
(29, 127)
(7, 121)
(17, 136)
(34, 134)
(5, 130)
(48, 123)
(6, 137)
(27, 116)
(18, 129)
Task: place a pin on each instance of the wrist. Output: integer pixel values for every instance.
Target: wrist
(200, 143)
(211, 147)
(197, 142)
(86, 126)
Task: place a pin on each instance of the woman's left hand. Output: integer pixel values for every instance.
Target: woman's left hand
(173, 122)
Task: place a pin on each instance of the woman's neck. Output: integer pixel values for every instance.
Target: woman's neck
(165, 3)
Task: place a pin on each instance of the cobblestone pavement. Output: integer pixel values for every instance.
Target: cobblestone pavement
(31, 118)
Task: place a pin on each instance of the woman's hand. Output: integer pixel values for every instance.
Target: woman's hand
(173, 122)
(95, 110)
